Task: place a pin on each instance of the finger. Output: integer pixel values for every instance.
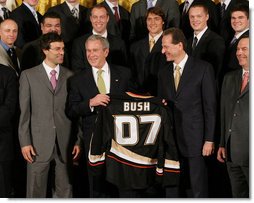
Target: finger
(32, 151)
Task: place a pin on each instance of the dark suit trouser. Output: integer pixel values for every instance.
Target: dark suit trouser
(239, 178)
(5, 179)
(194, 179)
(37, 178)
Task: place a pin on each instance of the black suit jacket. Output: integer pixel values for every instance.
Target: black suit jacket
(29, 29)
(8, 104)
(117, 52)
(121, 29)
(212, 22)
(138, 17)
(235, 119)
(145, 64)
(194, 104)
(32, 55)
(210, 48)
(78, 96)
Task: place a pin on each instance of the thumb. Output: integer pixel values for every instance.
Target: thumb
(32, 151)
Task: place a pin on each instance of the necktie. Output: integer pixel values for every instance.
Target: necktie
(74, 12)
(35, 16)
(117, 17)
(194, 43)
(233, 41)
(185, 8)
(177, 76)
(222, 10)
(53, 80)
(149, 4)
(151, 43)
(100, 82)
(245, 81)
(6, 13)
(12, 53)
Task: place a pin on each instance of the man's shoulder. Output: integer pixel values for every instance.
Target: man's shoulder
(6, 70)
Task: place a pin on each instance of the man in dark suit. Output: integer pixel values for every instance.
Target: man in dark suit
(240, 24)
(188, 86)
(119, 23)
(28, 20)
(138, 16)
(88, 90)
(8, 104)
(4, 11)
(74, 21)
(143, 53)
(99, 18)
(234, 144)
(9, 54)
(46, 134)
(31, 53)
(204, 43)
(185, 22)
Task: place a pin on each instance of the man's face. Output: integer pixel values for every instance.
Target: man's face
(99, 20)
(198, 19)
(239, 21)
(72, 1)
(170, 50)
(51, 25)
(242, 53)
(55, 55)
(9, 32)
(3, 2)
(32, 3)
(154, 24)
(95, 53)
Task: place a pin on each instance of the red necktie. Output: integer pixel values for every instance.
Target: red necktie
(116, 14)
(53, 80)
(245, 81)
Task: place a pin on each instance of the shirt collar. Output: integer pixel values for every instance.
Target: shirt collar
(111, 5)
(244, 71)
(105, 34)
(226, 2)
(71, 7)
(199, 35)
(32, 9)
(240, 34)
(105, 68)
(49, 69)
(5, 46)
(155, 37)
(182, 62)
(154, 2)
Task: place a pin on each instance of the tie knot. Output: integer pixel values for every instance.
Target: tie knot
(99, 72)
(246, 74)
(177, 68)
(4, 9)
(149, 4)
(53, 72)
(115, 8)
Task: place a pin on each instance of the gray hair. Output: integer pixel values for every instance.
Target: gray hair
(103, 40)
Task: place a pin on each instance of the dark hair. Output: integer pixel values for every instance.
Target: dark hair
(98, 6)
(157, 11)
(50, 14)
(177, 36)
(244, 7)
(48, 38)
(200, 4)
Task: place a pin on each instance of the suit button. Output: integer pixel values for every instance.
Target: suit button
(54, 127)
(238, 102)
(235, 115)
(229, 130)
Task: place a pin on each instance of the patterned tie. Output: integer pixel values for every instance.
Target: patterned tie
(245, 81)
(6, 13)
(149, 4)
(194, 43)
(233, 41)
(100, 82)
(151, 44)
(117, 17)
(222, 10)
(185, 8)
(12, 53)
(74, 13)
(177, 76)
(53, 80)
(35, 16)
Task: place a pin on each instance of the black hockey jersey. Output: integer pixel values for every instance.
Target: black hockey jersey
(133, 144)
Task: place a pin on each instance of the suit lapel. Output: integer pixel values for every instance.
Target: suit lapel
(44, 78)
(238, 79)
(61, 78)
(30, 14)
(91, 84)
(68, 13)
(201, 42)
(7, 57)
(114, 80)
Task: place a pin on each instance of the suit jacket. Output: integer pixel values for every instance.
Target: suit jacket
(117, 52)
(43, 119)
(32, 55)
(6, 60)
(121, 29)
(231, 61)
(138, 17)
(235, 119)
(29, 29)
(8, 104)
(145, 64)
(212, 22)
(210, 48)
(78, 96)
(194, 104)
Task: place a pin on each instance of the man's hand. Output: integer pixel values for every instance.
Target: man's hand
(221, 154)
(28, 153)
(208, 148)
(99, 99)
(76, 152)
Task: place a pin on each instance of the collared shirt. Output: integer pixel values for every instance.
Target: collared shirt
(199, 35)
(105, 76)
(71, 7)
(154, 2)
(32, 9)
(181, 64)
(111, 7)
(244, 71)
(48, 69)
(5, 46)
(1, 11)
(155, 37)
(226, 2)
(190, 2)
(240, 34)
(105, 34)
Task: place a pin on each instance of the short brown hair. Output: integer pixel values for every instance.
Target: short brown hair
(177, 36)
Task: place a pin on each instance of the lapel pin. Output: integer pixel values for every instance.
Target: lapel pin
(116, 80)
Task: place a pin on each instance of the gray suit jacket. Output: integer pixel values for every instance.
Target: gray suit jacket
(235, 118)
(43, 118)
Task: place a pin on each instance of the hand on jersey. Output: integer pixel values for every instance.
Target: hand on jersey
(208, 148)
(28, 153)
(99, 99)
